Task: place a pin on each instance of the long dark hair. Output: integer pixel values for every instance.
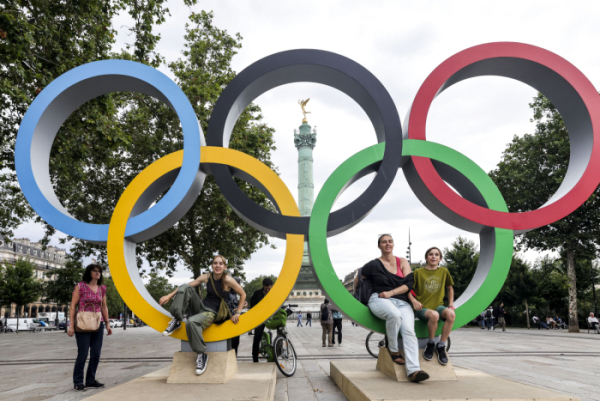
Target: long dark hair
(87, 276)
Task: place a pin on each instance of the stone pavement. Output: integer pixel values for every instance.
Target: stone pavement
(39, 366)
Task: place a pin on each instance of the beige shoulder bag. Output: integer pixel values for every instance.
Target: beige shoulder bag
(87, 322)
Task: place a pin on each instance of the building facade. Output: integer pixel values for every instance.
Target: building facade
(44, 260)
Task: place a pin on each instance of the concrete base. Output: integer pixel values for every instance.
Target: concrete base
(252, 382)
(221, 367)
(360, 381)
(398, 372)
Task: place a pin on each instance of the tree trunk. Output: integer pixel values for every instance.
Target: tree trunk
(527, 314)
(67, 318)
(573, 319)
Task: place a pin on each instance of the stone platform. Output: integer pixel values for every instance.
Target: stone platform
(359, 380)
(252, 382)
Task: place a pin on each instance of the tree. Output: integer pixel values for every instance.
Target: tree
(59, 287)
(19, 286)
(461, 261)
(159, 286)
(153, 130)
(519, 287)
(531, 170)
(114, 302)
(40, 40)
(256, 284)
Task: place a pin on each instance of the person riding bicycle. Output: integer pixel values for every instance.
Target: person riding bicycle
(391, 279)
(258, 330)
(431, 283)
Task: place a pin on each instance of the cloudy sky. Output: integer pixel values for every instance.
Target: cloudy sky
(400, 42)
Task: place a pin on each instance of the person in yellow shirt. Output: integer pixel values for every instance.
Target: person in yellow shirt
(431, 284)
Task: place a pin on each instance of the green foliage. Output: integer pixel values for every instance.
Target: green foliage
(256, 284)
(114, 302)
(18, 285)
(159, 286)
(461, 261)
(531, 170)
(59, 287)
(40, 40)
(109, 140)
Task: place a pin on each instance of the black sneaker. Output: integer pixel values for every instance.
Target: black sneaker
(428, 353)
(441, 353)
(201, 363)
(79, 387)
(95, 384)
(174, 324)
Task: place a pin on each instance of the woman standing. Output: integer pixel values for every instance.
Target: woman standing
(90, 296)
(202, 313)
(392, 279)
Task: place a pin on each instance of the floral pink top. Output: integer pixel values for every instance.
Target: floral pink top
(90, 301)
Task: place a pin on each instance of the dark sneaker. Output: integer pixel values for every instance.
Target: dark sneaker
(428, 353)
(174, 324)
(201, 363)
(441, 353)
(95, 384)
(79, 387)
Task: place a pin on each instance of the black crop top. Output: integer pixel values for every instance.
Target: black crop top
(212, 300)
(382, 280)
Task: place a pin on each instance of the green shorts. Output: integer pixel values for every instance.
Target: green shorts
(420, 314)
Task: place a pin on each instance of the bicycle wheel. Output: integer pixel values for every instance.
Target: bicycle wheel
(375, 341)
(285, 356)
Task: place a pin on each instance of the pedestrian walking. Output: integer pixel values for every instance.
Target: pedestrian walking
(489, 318)
(500, 312)
(299, 319)
(337, 326)
(88, 301)
(327, 323)
(308, 319)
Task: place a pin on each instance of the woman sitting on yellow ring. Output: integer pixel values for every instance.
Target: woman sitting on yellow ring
(202, 313)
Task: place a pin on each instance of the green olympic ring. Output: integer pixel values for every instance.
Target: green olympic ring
(341, 179)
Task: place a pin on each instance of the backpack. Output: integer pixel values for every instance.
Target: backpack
(488, 314)
(325, 313)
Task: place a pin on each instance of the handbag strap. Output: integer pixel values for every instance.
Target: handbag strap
(215, 288)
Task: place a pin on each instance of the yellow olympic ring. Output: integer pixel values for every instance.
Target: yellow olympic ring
(118, 247)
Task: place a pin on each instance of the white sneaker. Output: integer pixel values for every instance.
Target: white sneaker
(201, 363)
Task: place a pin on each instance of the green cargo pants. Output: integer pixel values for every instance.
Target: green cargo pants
(187, 302)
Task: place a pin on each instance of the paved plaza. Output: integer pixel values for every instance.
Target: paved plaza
(39, 366)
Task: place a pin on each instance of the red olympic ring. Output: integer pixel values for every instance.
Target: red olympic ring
(553, 74)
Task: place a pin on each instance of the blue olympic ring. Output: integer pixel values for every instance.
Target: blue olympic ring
(63, 96)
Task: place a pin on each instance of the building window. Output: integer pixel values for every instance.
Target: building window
(304, 293)
(310, 293)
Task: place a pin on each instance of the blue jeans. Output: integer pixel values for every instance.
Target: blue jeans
(309, 322)
(92, 343)
(399, 318)
(299, 323)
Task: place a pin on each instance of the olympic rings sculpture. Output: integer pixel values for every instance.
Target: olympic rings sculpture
(476, 206)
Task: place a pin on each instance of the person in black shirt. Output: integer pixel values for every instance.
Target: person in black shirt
(202, 313)
(500, 312)
(391, 279)
(308, 319)
(258, 331)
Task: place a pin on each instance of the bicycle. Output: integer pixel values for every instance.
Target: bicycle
(374, 341)
(281, 351)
